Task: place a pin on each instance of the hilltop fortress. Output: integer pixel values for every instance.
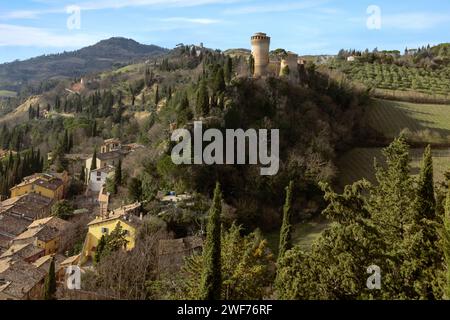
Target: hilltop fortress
(285, 64)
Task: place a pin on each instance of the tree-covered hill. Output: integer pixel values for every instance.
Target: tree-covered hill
(101, 56)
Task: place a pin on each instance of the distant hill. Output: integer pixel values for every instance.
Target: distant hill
(101, 56)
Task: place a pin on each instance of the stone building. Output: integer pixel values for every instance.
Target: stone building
(286, 66)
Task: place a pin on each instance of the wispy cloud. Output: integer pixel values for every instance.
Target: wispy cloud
(15, 35)
(204, 21)
(409, 21)
(280, 7)
(60, 6)
(414, 20)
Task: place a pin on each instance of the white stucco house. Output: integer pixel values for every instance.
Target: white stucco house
(97, 177)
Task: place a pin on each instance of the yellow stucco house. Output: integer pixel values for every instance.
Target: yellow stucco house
(45, 234)
(104, 224)
(52, 186)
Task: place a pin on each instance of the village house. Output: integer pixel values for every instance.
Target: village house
(25, 251)
(128, 218)
(20, 280)
(45, 234)
(16, 214)
(98, 178)
(110, 145)
(50, 185)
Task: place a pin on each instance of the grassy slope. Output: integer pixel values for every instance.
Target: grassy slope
(7, 93)
(358, 164)
(390, 118)
(303, 234)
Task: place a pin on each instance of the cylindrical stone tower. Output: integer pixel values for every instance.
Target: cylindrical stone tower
(260, 52)
(290, 61)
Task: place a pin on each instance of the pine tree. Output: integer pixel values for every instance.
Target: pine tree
(286, 228)
(211, 284)
(50, 282)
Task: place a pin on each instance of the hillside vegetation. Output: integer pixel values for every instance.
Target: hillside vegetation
(104, 55)
(359, 163)
(421, 123)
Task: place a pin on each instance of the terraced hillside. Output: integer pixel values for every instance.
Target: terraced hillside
(424, 122)
(394, 77)
(359, 163)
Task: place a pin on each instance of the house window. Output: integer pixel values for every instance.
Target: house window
(105, 230)
(99, 179)
(99, 174)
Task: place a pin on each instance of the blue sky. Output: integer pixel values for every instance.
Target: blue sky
(33, 27)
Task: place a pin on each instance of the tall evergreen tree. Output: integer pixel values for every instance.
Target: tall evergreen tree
(426, 201)
(211, 284)
(251, 65)
(50, 282)
(445, 237)
(286, 228)
(228, 69)
(219, 81)
(157, 96)
(94, 160)
(83, 174)
(202, 106)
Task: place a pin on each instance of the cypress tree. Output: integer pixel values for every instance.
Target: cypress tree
(94, 129)
(211, 285)
(426, 205)
(251, 65)
(50, 282)
(286, 228)
(157, 96)
(118, 174)
(202, 107)
(94, 160)
(219, 81)
(445, 235)
(228, 69)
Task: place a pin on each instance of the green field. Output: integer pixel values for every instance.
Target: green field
(390, 118)
(7, 93)
(303, 234)
(393, 77)
(358, 164)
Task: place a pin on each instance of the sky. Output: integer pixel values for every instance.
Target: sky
(30, 28)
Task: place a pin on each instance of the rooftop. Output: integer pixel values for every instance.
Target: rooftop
(124, 213)
(109, 155)
(106, 169)
(29, 205)
(18, 277)
(23, 251)
(44, 229)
